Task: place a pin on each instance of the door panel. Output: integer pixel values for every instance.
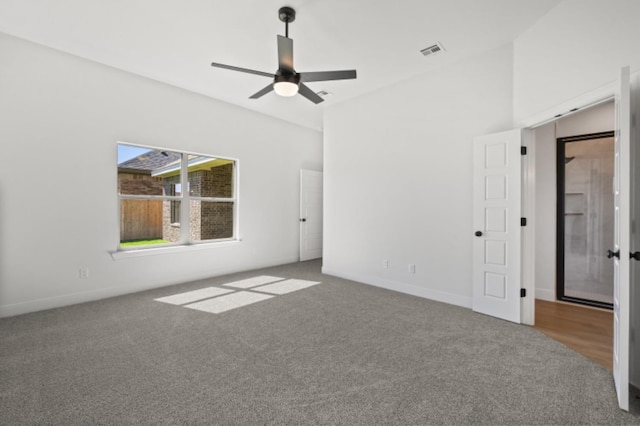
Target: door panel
(310, 215)
(634, 280)
(622, 230)
(496, 221)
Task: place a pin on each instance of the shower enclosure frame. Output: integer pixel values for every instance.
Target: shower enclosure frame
(560, 219)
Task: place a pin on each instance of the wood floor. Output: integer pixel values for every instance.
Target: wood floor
(586, 330)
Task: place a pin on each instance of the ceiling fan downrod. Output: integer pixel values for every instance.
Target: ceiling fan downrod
(286, 15)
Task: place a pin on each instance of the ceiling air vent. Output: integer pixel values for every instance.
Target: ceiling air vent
(432, 50)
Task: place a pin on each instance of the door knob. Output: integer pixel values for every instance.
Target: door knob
(635, 255)
(304, 219)
(478, 233)
(611, 254)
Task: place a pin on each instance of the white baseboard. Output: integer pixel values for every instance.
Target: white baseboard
(438, 296)
(545, 294)
(104, 293)
(59, 301)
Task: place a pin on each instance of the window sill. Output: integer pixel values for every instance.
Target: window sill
(155, 251)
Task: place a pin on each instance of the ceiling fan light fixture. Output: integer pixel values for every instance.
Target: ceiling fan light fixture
(286, 85)
(285, 88)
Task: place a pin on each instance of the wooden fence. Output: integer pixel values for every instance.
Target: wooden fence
(140, 219)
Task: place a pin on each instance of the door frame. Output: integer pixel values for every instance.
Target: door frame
(528, 235)
(588, 100)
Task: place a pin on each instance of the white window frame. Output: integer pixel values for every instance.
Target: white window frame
(185, 201)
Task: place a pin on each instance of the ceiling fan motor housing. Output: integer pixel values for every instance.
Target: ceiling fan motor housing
(287, 78)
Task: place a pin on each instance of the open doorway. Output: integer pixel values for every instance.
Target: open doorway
(585, 219)
(596, 120)
(569, 196)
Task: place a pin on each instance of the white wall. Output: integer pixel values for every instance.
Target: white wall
(599, 118)
(576, 48)
(398, 174)
(60, 120)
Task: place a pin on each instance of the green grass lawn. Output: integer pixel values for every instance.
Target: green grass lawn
(142, 242)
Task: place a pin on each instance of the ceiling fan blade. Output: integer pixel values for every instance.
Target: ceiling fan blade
(327, 75)
(285, 53)
(309, 94)
(232, 68)
(262, 92)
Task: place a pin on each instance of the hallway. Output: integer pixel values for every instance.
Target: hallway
(586, 330)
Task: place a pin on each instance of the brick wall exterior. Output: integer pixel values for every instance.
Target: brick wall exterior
(170, 232)
(139, 184)
(208, 220)
(217, 221)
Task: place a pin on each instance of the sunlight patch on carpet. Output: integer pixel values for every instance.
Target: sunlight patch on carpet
(228, 302)
(245, 292)
(192, 296)
(287, 286)
(254, 282)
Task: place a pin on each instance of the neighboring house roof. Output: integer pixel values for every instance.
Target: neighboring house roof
(149, 161)
(195, 163)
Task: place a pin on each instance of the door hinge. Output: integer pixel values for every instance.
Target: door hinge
(523, 292)
(523, 150)
(523, 221)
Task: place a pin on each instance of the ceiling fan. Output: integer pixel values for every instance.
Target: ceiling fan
(286, 81)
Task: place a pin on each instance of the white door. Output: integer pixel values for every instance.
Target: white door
(634, 276)
(621, 250)
(496, 225)
(310, 215)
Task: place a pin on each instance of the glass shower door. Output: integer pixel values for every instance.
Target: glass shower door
(587, 219)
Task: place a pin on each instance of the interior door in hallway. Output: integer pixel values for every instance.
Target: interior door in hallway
(310, 215)
(496, 225)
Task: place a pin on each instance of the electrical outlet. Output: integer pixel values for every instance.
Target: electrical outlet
(412, 268)
(83, 273)
(385, 263)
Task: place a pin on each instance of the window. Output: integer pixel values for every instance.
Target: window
(154, 209)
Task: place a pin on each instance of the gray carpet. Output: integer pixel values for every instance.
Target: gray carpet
(336, 353)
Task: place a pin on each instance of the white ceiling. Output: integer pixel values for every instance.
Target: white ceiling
(174, 41)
